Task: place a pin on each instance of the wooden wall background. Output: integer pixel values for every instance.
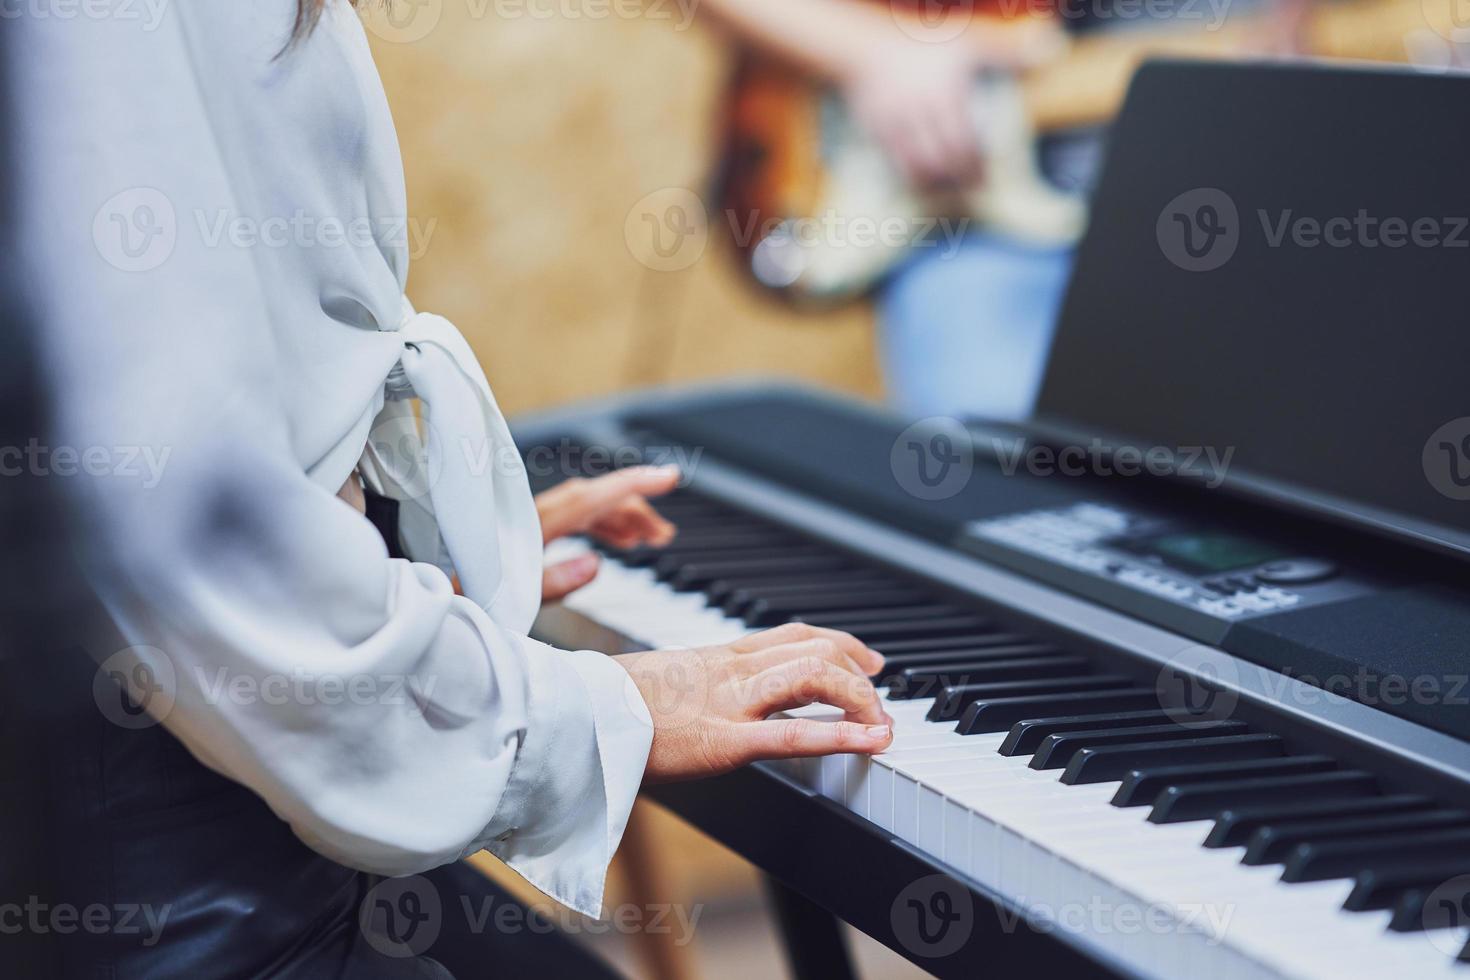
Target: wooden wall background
(530, 130)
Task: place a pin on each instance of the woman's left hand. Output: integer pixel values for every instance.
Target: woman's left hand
(613, 509)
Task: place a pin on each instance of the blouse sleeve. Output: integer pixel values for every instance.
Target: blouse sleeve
(394, 725)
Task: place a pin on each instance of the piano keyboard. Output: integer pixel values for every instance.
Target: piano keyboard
(1176, 844)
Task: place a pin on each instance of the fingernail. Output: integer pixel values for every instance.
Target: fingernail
(878, 732)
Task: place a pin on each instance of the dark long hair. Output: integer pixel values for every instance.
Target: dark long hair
(308, 12)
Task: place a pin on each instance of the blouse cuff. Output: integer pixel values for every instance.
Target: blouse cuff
(578, 772)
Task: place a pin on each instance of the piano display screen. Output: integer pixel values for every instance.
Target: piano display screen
(1205, 553)
(1285, 279)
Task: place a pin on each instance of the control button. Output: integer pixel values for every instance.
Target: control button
(1243, 584)
(1296, 571)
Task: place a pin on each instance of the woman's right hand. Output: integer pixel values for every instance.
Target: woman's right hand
(710, 705)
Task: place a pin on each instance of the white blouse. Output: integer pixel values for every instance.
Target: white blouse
(218, 243)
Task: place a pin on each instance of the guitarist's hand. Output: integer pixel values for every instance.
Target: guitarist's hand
(915, 99)
(914, 94)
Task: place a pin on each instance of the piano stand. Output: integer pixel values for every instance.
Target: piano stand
(815, 947)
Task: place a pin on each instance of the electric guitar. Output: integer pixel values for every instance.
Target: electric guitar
(818, 213)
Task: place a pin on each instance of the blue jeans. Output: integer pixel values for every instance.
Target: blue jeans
(966, 333)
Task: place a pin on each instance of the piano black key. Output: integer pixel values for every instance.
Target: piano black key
(776, 609)
(1057, 748)
(1106, 764)
(1235, 825)
(998, 714)
(875, 633)
(1203, 801)
(1005, 649)
(935, 644)
(709, 520)
(1442, 904)
(684, 544)
(952, 701)
(1142, 786)
(668, 566)
(694, 577)
(699, 511)
(728, 534)
(851, 620)
(1025, 736)
(1271, 843)
(924, 682)
(735, 593)
(1324, 860)
(1380, 888)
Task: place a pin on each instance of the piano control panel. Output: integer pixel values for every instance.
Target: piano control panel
(1194, 579)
